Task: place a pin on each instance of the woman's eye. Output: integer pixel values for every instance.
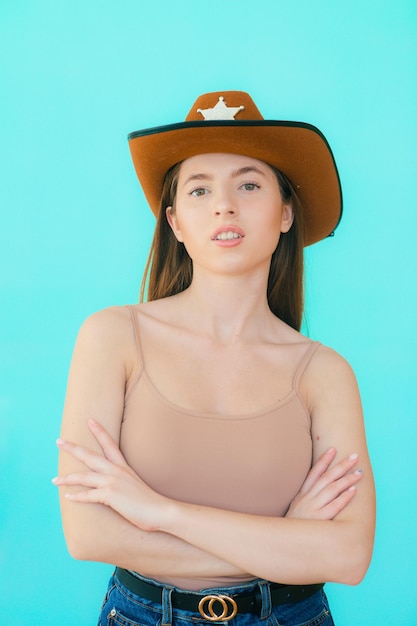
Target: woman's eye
(250, 186)
(200, 191)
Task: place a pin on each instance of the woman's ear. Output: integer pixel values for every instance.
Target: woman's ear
(173, 222)
(287, 217)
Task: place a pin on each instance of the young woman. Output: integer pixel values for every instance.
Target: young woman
(211, 452)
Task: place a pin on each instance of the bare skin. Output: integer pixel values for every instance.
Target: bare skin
(110, 514)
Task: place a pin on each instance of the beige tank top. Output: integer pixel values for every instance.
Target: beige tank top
(252, 463)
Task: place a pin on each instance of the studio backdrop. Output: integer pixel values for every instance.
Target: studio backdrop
(75, 78)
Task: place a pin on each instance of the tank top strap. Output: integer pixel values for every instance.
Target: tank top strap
(136, 332)
(135, 324)
(308, 355)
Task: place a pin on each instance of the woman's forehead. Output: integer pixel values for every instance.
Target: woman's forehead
(221, 160)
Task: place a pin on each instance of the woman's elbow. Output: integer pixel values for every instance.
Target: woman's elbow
(83, 541)
(356, 565)
(79, 549)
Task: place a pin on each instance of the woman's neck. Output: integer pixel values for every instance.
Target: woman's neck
(229, 308)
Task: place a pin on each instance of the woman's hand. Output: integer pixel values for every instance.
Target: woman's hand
(109, 480)
(325, 491)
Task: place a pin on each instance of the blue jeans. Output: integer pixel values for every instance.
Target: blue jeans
(121, 607)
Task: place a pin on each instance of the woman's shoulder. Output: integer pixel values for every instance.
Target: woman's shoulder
(326, 360)
(115, 324)
(112, 318)
(111, 327)
(328, 369)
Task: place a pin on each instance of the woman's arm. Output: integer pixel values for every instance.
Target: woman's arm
(104, 359)
(293, 551)
(298, 551)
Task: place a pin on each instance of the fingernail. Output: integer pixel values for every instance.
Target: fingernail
(353, 456)
(60, 442)
(55, 480)
(353, 488)
(359, 471)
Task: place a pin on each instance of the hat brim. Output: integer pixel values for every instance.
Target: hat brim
(299, 150)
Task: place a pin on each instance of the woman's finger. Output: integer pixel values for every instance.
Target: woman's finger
(91, 496)
(96, 462)
(92, 480)
(108, 445)
(337, 505)
(318, 469)
(333, 474)
(333, 490)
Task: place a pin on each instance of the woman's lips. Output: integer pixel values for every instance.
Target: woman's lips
(228, 236)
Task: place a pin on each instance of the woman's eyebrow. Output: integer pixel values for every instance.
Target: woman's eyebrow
(247, 170)
(239, 172)
(197, 177)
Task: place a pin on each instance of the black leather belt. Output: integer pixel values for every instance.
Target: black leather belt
(217, 607)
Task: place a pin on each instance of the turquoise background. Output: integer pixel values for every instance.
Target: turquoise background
(76, 77)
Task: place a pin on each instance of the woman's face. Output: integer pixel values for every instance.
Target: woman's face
(228, 212)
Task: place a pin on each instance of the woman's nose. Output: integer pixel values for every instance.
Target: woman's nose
(225, 205)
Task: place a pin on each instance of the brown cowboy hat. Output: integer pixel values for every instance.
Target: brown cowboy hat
(229, 121)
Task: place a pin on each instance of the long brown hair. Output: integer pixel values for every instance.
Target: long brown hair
(169, 268)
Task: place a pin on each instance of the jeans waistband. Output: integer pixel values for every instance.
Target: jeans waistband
(216, 607)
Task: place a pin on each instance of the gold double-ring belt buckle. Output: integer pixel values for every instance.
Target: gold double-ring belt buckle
(207, 608)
